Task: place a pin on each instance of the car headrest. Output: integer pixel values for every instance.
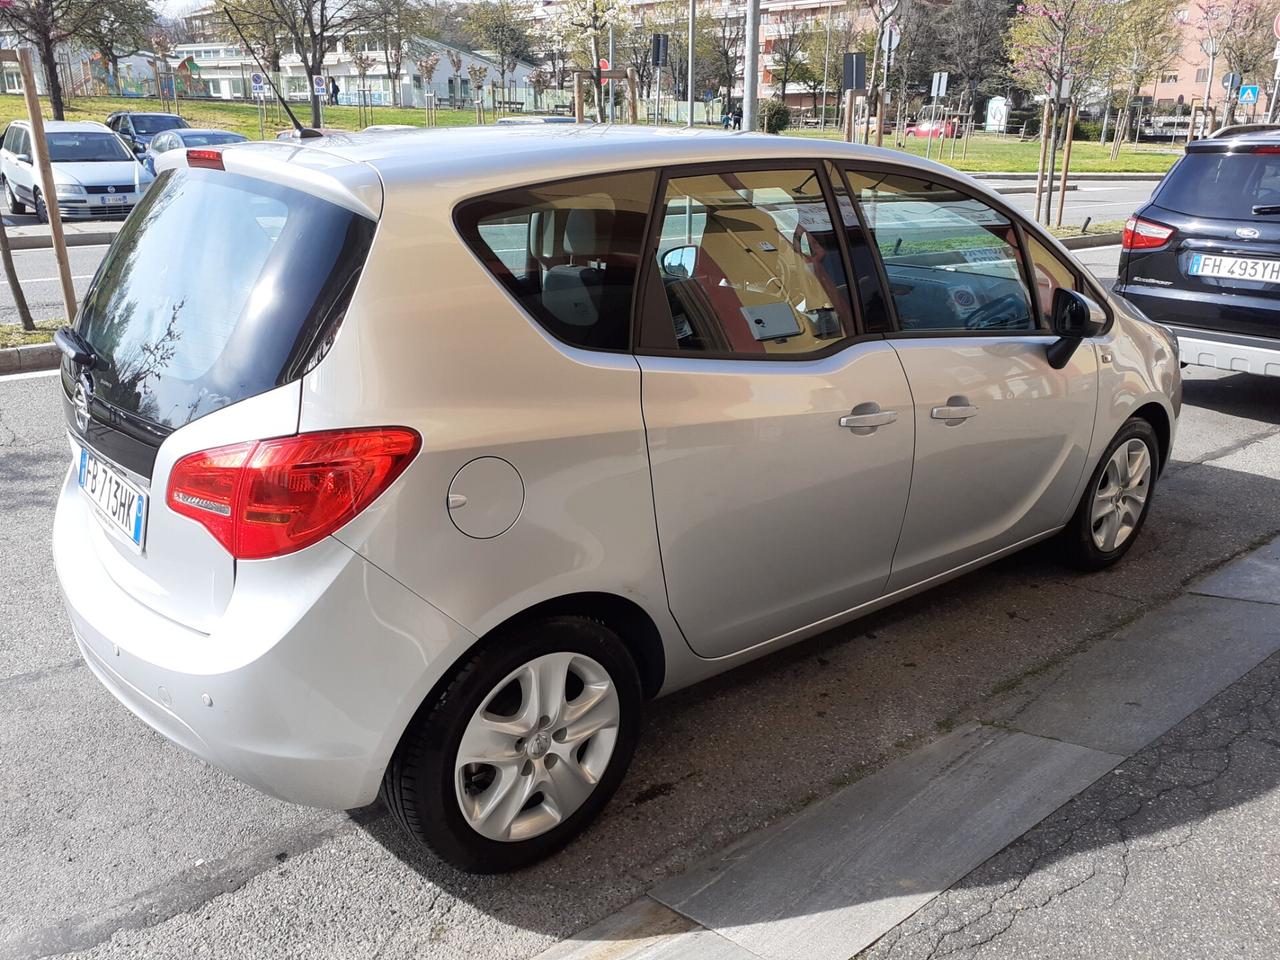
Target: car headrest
(587, 232)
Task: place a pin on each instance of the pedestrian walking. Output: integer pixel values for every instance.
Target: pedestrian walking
(727, 120)
(737, 117)
(333, 91)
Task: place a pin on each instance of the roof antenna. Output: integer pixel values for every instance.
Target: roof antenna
(304, 133)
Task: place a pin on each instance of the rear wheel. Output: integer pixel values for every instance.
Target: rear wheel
(1115, 503)
(42, 211)
(15, 206)
(522, 750)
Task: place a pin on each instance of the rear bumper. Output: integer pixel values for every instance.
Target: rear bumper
(303, 689)
(1185, 313)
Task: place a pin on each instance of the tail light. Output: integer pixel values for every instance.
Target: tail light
(266, 498)
(1142, 234)
(205, 158)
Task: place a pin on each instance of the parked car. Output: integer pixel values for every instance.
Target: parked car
(137, 128)
(933, 128)
(525, 119)
(96, 175)
(175, 142)
(1203, 255)
(416, 528)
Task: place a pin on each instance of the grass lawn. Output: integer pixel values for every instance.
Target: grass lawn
(1101, 226)
(12, 334)
(991, 154)
(229, 115)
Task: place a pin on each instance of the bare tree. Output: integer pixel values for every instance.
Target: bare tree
(788, 48)
(45, 24)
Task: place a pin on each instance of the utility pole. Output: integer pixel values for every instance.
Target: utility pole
(613, 65)
(688, 80)
(751, 69)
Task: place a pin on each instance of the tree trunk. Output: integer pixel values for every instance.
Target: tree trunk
(595, 77)
(49, 60)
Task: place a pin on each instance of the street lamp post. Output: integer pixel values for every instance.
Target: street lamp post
(751, 68)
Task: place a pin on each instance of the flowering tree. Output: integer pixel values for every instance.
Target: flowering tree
(427, 66)
(589, 20)
(1051, 41)
(1239, 32)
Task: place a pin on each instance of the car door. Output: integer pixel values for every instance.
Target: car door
(21, 172)
(780, 434)
(1001, 436)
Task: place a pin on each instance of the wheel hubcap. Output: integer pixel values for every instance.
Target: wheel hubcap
(536, 748)
(1121, 495)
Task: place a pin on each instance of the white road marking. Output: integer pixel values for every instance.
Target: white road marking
(83, 276)
(29, 375)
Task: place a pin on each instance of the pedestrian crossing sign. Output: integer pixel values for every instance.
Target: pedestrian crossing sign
(1248, 96)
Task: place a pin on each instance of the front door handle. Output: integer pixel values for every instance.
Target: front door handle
(955, 410)
(867, 417)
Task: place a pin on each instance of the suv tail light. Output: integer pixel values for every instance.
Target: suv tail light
(266, 498)
(1142, 234)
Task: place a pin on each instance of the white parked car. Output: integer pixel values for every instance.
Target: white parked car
(448, 449)
(95, 174)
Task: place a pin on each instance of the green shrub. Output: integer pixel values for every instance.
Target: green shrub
(774, 116)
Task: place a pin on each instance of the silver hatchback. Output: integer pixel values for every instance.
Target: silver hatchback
(452, 447)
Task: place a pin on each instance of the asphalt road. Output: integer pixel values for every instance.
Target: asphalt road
(1097, 199)
(38, 272)
(115, 843)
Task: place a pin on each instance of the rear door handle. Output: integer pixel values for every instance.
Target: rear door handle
(954, 410)
(867, 417)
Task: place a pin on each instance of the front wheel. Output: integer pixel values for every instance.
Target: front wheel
(42, 210)
(15, 206)
(523, 748)
(1115, 503)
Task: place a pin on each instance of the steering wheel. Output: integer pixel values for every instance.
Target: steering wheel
(1002, 312)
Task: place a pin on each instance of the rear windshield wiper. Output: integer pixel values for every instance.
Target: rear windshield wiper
(1263, 209)
(76, 347)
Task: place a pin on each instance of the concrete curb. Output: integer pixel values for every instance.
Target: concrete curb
(1010, 191)
(1121, 177)
(39, 241)
(37, 356)
(1091, 240)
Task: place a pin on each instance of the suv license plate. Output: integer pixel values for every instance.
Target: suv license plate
(108, 198)
(1235, 268)
(121, 504)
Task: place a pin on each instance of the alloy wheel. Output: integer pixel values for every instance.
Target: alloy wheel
(537, 746)
(1121, 495)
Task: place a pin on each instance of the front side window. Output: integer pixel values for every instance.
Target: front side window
(749, 265)
(1050, 273)
(952, 261)
(567, 251)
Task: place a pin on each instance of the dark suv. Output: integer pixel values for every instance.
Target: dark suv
(1203, 256)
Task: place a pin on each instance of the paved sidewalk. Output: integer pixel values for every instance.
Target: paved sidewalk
(1138, 851)
(28, 234)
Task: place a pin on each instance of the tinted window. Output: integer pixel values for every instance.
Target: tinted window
(952, 261)
(181, 335)
(750, 265)
(875, 314)
(85, 147)
(567, 251)
(149, 124)
(1223, 186)
(202, 139)
(10, 138)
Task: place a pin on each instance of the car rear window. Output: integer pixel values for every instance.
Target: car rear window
(147, 125)
(218, 288)
(1222, 186)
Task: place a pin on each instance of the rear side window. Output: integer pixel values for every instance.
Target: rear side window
(568, 251)
(1223, 186)
(218, 288)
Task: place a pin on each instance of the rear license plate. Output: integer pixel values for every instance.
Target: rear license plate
(107, 198)
(1235, 268)
(121, 504)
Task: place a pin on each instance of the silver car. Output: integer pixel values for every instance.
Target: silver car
(451, 448)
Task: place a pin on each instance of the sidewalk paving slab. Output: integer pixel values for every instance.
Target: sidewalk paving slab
(842, 873)
(646, 930)
(1122, 693)
(1254, 577)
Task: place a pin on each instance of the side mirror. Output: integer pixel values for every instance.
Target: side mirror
(137, 147)
(678, 262)
(1074, 317)
(23, 158)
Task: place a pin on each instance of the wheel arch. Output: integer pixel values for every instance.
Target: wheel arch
(1158, 417)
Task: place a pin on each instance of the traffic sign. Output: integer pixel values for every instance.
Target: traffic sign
(258, 83)
(1248, 96)
(1230, 81)
(1275, 26)
(939, 86)
(319, 86)
(890, 39)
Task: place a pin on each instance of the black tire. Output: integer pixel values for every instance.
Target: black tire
(42, 211)
(1080, 548)
(418, 786)
(15, 207)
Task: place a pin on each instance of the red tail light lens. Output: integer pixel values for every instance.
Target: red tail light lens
(1142, 234)
(271, 497)
(205, 158)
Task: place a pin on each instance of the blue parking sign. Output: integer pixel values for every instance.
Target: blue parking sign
(1248, 95)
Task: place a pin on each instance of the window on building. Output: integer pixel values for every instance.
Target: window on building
(1202, 75)
(1169, 78)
